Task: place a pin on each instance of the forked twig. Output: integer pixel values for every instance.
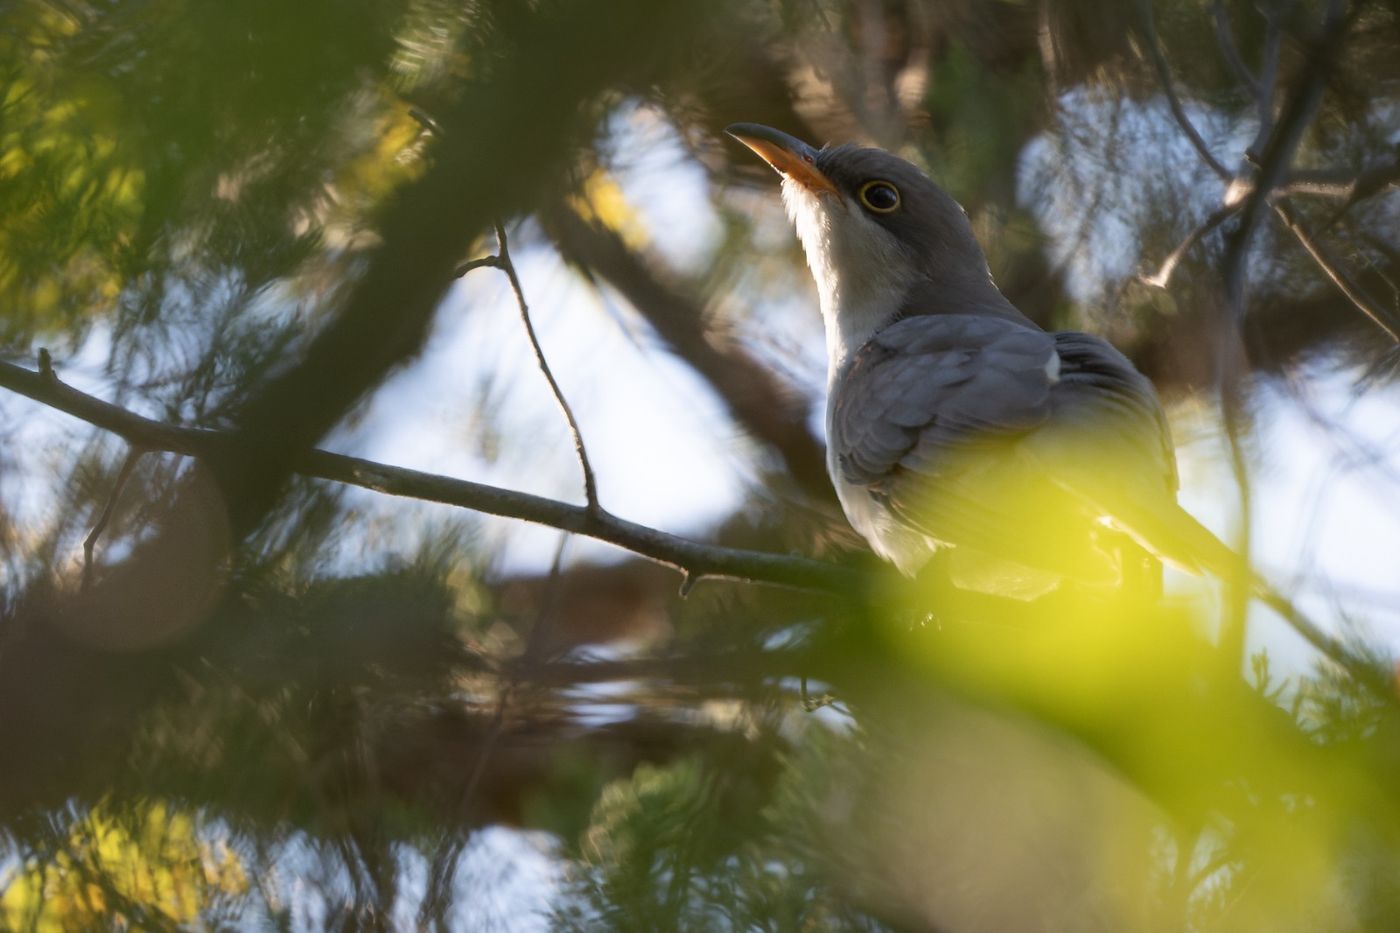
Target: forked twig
(1282, 181)
(590, 485)
(501, 260)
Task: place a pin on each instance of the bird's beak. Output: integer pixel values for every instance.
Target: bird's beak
(790, 156)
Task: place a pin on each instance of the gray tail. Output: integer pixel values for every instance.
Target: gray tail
(1175, 536)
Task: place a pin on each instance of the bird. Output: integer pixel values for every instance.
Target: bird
(1029, 461)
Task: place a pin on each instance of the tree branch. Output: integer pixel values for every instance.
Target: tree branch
(1164, 76)
(1283, 139)
(590, 484)
(1276, 178)
(1349, 187)
(1163, 276)
(1230, 51)
(694, 559)
(493, 262)
(1277, 159)
(90, 543)
(501, 260)
(1336, 273)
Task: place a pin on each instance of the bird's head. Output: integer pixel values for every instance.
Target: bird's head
(877, 232)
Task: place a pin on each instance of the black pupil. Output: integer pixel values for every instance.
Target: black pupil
(881, 197)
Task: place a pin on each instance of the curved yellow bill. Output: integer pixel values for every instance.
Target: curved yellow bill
(788, 155)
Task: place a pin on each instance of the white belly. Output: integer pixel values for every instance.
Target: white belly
(908, 550)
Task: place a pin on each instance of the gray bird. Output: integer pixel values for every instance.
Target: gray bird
(954, 421)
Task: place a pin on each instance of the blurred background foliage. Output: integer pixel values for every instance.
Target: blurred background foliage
(273, 702)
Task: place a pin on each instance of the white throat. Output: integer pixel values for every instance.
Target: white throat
(862, 273)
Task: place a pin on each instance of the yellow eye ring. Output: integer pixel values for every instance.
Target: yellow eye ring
(886, 196)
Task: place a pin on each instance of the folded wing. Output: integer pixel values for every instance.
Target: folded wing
(988, 433)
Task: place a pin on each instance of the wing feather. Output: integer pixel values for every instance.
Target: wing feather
(955, 422)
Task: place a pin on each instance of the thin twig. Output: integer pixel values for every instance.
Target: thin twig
(1268, 71)
(1163, 276)
(1348, 186)
(1320, 183)
(1230, 51)
(1164, 75)
(1334, 271)
(463, 268)
(128, 464)
(501, 260)
(590, 485)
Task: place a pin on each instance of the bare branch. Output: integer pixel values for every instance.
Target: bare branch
(690, 557)
(1276, 179)
(463, 268)
(1354, 188)
(501, 260)
(1276, 161)
(44, 386)
(693, 559)
(1348, 186)
(129, 464)
(427, 225)
(1162, 277)
(590, 485)
(1284, 136)
(1249, 200)
(1245, 194)
(1230, 51)
(1268, 71)
(1334, 271)
(1164, 75)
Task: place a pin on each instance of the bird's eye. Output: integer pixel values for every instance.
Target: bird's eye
(880, 196)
